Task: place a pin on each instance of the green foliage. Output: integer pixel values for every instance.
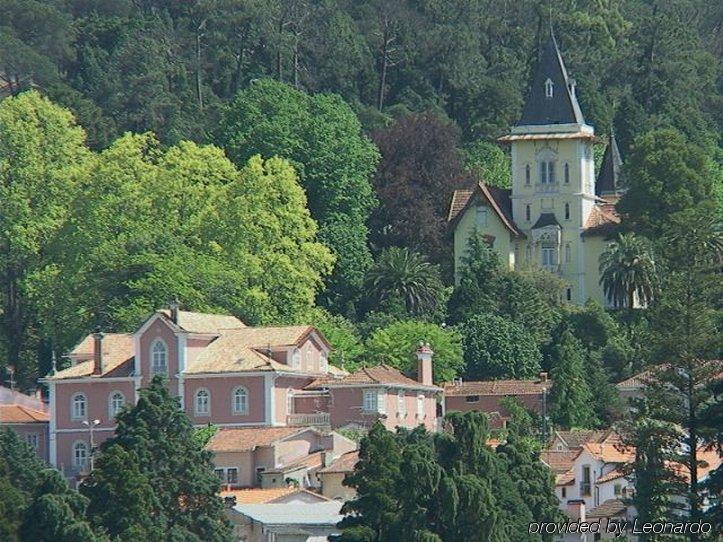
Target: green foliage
(488, 163)
(343, 336)
(448, 486)
(204, 434)
(12, 504)
(571, 396)
(496, 347)
(157, 474)
(627, 271)
(401, 277)
(396, 344)
(322, 137)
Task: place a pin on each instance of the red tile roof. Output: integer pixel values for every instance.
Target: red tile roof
(248, 438)
(559, 462)
(610, 508)
(22, 414)
(117, 349)
(343, 464)
(612, 475)
(577, 437)
(602, 220)
(375, 375)
(496, 387)
(258, 496)
(497, 198)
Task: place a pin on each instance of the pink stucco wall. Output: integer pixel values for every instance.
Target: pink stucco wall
(221, 390)
(346, 408)
(40, 429)
(311, 404)
(159, 329)
(97, 392)
(297, 447)
(65, 441)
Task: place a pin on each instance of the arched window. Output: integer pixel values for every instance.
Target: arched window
(567, 173)
(159, 357)
(115, 403)
(549, 88)
(527, 174)
(78, 407)
(80, 455)
(567, 211)
(296, 358)
(203, 403)
(527, 213)
(240, 400)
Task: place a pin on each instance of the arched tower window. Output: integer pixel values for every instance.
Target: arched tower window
(240, 401)
(80, 455)
(549, 88)
(79, 407)
(203, 403)
(159, 357)
(115, 403)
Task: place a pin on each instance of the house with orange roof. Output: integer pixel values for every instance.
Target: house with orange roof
(28, 416)
(558, 213)
(487, 396)
(332, 476)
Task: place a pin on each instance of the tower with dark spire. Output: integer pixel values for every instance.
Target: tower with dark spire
(608, 178)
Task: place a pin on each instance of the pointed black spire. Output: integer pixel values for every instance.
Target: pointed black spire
(551, 98)
(608, 178)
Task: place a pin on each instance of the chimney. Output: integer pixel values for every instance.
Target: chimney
(327, 458)
(174, 311)
(576, 509)
(543, 377)
(424, 364)
(98, 352)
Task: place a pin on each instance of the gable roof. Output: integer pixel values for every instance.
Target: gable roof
(610, 508)
(608, 178)
(118, 353)
(238, 350)
(342, 464)
(562, 107)
(496, 387)
(376, 375)
(575, 438)
(499, 199)
(243, 439)
(546, 219)
(201, 322)
(602, 220)
(22, 414)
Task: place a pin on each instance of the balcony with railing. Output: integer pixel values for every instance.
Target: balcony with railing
(319, 419)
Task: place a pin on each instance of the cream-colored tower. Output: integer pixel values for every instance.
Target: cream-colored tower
(553, 217)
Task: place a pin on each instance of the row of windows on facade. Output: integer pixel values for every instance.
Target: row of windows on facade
(159, 358)
(374, 403)
(547, 172)
(202, 402)
(482, 214)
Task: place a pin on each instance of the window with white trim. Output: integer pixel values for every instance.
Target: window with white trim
(240, 400)
(420, 405)
(371, 401)
(116, 401)
(296, 358)
(159, 357)
(79, 407)
(549, 257)
(401, 402)
(80, 455)
(203, 403)
(232, 475)
(32, 440)
(547, 172)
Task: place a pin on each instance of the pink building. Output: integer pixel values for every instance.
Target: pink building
(225, 374)
(487, 395)
(28, 416)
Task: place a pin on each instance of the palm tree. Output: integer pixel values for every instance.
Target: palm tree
(627, 269)
(402, 274)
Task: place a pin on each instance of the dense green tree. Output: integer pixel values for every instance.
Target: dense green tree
(664, 174)
(12, 506)
(496, 347)
(403, 277)
(322, 137)
(571, 397)
(345, 339)
(397, 343)
(488, 163)
(165, 471)
(57, 513)
(42, 155)
(627, 271)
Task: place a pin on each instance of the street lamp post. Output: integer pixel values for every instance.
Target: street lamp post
(90, 426)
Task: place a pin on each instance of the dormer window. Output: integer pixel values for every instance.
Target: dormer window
(548, 88)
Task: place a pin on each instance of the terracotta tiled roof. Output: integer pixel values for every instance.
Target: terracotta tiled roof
(460, 198)
(243, 349)
(496, 387)
(611, 450)
(603, 219)
(608, 509)
(565, 479)
(258, 496)
(22, 414)
(709, 459)
(199, 322)
(117, 357)
(577, 437)
(378, 374)
(343, 464)
(249, 438)
(559, 462)
(612, 475)
(311, 461)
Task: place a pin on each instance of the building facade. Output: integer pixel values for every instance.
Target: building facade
(223, 373)
(557, 216)
(28, 416)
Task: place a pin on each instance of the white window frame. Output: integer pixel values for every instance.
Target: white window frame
(296, 358)
(370, 401)
(548, 257)
(420, 406)
(75, 449)
(234, 407)
(206, 410)
(114, 409)
(401, 403)
(156, 368)
(75, 413)
(228, 475)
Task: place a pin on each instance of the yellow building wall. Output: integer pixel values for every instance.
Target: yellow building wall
(594, 247)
